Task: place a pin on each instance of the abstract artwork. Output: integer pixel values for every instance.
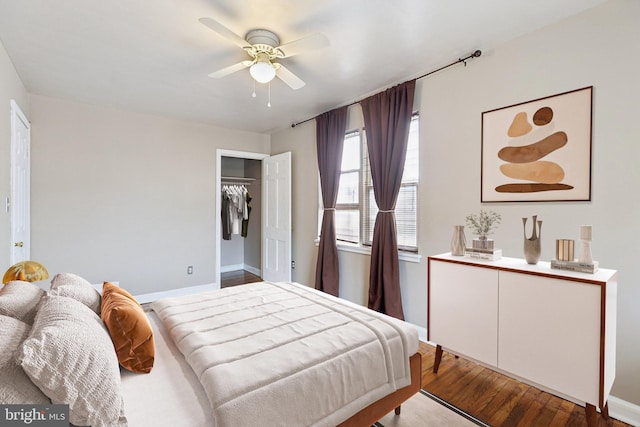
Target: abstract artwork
(538, 150)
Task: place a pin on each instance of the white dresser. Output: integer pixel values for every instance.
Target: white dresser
(551, 328)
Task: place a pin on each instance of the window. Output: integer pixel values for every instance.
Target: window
(356, 207)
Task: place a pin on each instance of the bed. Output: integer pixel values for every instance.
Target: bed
(256, 354)
(286, 354)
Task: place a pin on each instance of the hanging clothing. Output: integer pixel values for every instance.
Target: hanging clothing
(245, 221)
(235, 210)
(226, 225)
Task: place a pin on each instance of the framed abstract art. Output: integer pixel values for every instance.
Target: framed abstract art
(538, 150)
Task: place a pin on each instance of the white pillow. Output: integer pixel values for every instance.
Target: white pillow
(73, 286)
(15, 386)
(70, 357)
(19, 300)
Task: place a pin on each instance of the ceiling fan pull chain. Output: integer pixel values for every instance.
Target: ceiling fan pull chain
(269, 102)
(253, 95)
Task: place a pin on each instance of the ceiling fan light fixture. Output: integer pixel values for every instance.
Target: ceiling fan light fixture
(262, 71)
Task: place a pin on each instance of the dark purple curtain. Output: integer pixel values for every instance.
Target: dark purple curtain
(330, 129)
(387, 117)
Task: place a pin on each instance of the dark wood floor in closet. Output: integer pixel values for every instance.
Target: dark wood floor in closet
(238, 277)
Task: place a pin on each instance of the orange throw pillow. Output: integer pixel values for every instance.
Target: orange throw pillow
(129, 327)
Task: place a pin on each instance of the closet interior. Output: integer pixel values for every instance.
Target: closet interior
(241, 242)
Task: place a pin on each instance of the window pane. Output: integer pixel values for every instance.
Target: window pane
(351, 152)
(411, 171)
(372, 211)
(406, 216)
(348, 225)
(348, 191)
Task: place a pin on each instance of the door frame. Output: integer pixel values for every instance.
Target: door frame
(220, 153)
(18, 115)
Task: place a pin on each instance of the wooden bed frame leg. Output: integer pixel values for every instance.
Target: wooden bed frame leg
(397, 410)
(436, 361)
(592, 415)
(605, 411)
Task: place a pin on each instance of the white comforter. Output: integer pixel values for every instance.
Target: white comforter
(282, 354)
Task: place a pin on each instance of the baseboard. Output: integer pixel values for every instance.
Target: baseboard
(146, 298)
(232, 267)
(235, 267)
(624, 411)
(253, 270)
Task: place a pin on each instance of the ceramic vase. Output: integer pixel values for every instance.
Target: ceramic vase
(458, 241)
(532, 247)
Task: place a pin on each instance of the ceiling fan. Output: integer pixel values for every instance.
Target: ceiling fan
(263, 47)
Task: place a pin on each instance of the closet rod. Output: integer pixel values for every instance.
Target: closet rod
(236, 180)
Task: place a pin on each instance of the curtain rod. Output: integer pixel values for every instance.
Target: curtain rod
(475, 54)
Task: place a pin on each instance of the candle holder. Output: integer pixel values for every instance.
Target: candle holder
(585, 245)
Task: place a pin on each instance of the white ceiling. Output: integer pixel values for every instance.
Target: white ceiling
(153, 56)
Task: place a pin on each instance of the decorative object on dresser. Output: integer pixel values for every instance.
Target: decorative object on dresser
(585, 263)
(27, 271)
(482, 225)
(586, 233)
(458, 241)
(564, 249)
(552, 329)
(532, 247)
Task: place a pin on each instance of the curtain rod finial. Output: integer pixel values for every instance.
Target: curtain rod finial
(477, 53)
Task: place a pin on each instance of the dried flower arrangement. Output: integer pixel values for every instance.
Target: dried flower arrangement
(484, 223)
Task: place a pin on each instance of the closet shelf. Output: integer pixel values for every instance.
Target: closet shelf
(236, 180)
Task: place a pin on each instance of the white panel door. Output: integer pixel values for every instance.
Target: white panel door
(276, 218)
(20, 186)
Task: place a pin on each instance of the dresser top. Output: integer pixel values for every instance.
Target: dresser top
(518, 265)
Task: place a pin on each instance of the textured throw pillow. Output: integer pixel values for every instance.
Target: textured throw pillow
(15, 385)
(69, 356)
(19, 300)
(129, 327)
(73, 286)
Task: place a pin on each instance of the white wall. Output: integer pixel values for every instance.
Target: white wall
(125, 196)
(600, 48)
(11, 87)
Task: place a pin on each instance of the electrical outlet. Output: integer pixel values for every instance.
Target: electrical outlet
(190, 269)
(293, 264)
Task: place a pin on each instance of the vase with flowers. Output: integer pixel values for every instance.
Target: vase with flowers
(482, 225)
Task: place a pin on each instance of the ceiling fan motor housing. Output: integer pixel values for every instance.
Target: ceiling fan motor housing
(263, 37)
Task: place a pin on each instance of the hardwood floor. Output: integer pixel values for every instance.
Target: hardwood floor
(238, 277)
(497, 399)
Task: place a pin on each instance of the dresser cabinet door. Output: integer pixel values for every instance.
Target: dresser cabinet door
(463, 310)
(549, 333)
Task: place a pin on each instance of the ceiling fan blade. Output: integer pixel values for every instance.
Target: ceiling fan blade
(230, 69)
(225, 32)
(305, 44)
(293, 81)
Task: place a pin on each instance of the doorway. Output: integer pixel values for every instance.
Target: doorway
(275, 215)
(241, 247)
